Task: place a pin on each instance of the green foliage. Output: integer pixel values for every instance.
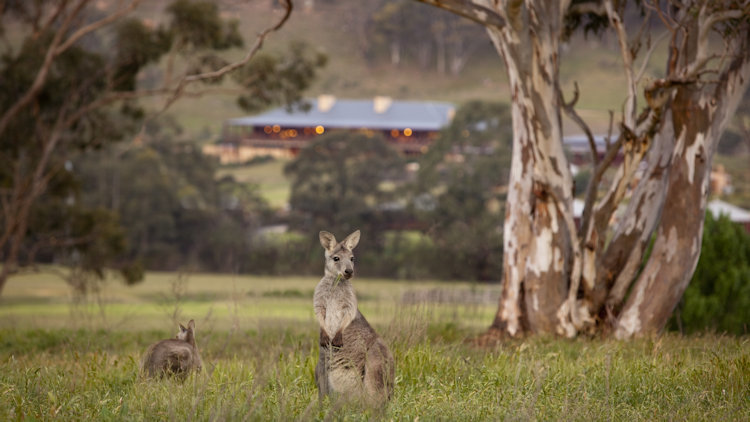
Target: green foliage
(136, 46)
(339, 185)
(74, 102)
(197, 25)
(278, 79)
(175, 211)
(581, 182)
(718, 296)
(459, 192)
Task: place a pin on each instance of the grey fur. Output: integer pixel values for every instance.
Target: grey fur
(176, 356)
(354, 361)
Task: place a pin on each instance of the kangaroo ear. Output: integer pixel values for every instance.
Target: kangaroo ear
(351, 241)
(182, 328)
(191, 325)
(327, 240)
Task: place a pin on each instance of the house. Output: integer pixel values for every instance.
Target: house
(579, 148)
(410, 126)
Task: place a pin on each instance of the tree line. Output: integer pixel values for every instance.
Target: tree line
(440, 221)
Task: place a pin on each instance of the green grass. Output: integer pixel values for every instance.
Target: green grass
(257, 336)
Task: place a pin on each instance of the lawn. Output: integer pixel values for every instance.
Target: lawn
(66, 358)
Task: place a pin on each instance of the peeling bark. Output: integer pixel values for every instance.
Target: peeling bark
(552, 281)
(704, 114)
(538, 246)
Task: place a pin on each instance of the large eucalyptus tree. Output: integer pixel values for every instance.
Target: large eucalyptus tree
(563, 279)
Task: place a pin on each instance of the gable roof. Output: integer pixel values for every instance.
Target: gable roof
(357, 114)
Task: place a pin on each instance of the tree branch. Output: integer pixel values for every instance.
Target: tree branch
(705, 25)
(470, 10)
(570, 111)
(627, 60)
(56, 47)
(96, 25)
(189, 79)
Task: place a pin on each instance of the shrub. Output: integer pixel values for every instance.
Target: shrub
(718, 297)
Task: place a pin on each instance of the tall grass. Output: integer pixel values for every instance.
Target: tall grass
(262, 368)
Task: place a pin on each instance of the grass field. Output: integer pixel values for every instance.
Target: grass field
(70, 359)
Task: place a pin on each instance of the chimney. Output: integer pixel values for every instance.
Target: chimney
(380, 104)
(326, 102)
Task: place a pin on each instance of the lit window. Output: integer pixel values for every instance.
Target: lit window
(407, 132)
(267, 129)
(319, 129)
(394, 133)
(276, 128)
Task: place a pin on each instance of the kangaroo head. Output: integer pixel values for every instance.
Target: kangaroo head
(187, 334)
(339, 256)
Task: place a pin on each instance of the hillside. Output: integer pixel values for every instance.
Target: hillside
(335, 30)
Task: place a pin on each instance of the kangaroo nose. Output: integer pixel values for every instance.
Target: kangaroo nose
(348, 272)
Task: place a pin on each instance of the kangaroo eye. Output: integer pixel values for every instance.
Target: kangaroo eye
(335, 258)
(352, 259)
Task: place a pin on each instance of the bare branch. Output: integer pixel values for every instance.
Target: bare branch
(52, 18)
(177, 92)
(570, 111)
(596, 178)
(668, 22)
(627, 60)
(470, 10)
(706, 23)
(650, 51)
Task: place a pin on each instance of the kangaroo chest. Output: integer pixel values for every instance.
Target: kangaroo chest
(340, 304)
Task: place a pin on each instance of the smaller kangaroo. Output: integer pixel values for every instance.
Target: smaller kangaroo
(354, 361)
(175, 356)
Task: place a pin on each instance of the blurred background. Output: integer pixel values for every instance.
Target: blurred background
(387, 116)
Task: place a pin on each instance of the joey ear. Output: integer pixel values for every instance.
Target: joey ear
(351, 241)
(191, 325)
(327, 240)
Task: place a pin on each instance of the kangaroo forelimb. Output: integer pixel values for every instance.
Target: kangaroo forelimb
(325, 340)
(338, 339)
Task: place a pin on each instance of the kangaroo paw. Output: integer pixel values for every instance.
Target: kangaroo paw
(325, 341)
(338, 340)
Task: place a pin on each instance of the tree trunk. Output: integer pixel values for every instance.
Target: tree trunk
(702, 116)
(538, 245)
(552, 282)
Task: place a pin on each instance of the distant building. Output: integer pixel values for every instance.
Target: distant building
(410, 126)
(735, 214)
(579, 148)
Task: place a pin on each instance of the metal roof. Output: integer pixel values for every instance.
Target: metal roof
(357, 114)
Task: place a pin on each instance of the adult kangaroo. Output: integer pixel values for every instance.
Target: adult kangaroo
(354, 361)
